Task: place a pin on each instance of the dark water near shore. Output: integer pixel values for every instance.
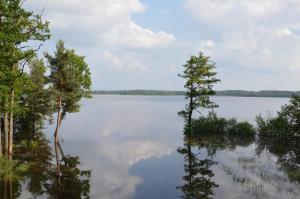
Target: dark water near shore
(130, 144)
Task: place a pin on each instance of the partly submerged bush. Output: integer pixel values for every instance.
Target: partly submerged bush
(281, 136)
(286, 123)
(212, 124)
(217, 133)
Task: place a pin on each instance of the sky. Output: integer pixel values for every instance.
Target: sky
(142, 44)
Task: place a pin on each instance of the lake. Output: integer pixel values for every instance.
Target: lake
(130, 144)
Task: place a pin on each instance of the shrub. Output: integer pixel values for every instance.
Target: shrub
(212, 124)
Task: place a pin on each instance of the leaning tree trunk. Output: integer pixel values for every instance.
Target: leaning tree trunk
(56, 140)
(58, 122)
(11, 124)
(57, 159)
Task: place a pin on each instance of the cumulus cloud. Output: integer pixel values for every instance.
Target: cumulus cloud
(214, 9)
(105, 21)
(130, 64)
(255, 38)
(135, 36)
(283, 32)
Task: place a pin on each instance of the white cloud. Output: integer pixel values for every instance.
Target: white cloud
(208, 47)
(215, 9)
(133, 35)
(283, 32)
(129, 63)
(254, 37)
(107, 22)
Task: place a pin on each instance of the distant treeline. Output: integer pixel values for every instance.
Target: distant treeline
(240, 93)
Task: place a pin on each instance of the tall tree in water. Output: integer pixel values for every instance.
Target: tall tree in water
(199, 78)
(18, 27)
(70, 78)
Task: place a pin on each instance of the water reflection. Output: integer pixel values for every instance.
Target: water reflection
(131, 143)
(34, 171)
(198, 181)
(229, 165)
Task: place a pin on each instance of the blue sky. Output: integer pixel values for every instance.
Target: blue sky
(142, 44)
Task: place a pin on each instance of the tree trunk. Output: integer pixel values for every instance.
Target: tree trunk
(190, 113)
(5, 189)
(190, 173)
(0, 137)
(57, 159)
(34, 118)
(58, 122)
(10, 189)
(11, 124)
(6, 133)
(56, 141)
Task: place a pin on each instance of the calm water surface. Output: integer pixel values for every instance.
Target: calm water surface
(130, 143)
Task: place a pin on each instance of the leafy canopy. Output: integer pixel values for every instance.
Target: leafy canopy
(70, 77)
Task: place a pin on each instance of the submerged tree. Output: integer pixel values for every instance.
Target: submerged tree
(281, 136)
(70, 80)
(199, 78)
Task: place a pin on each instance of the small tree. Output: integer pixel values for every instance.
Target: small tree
(71, 81)
(199, 78)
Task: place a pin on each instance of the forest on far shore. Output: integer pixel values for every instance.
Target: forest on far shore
(237, 93)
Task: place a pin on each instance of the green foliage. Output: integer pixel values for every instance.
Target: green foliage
(287, 121)
(35, 100)
(215, 133)
(17, 28)
(70, 78)
(215, 125)
(199, 78)
(11, 169)
(281, 136)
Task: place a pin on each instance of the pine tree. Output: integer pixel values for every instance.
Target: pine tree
(70, 79)
(199, 78)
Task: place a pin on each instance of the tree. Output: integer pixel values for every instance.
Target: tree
(36, 101)
(18, 27)
(199, 78)
(71, 81)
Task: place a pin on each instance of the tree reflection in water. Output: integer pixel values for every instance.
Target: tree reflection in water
(197, 178)
(34, 170)
(200, 148)
(281, 136)
(272, 171)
